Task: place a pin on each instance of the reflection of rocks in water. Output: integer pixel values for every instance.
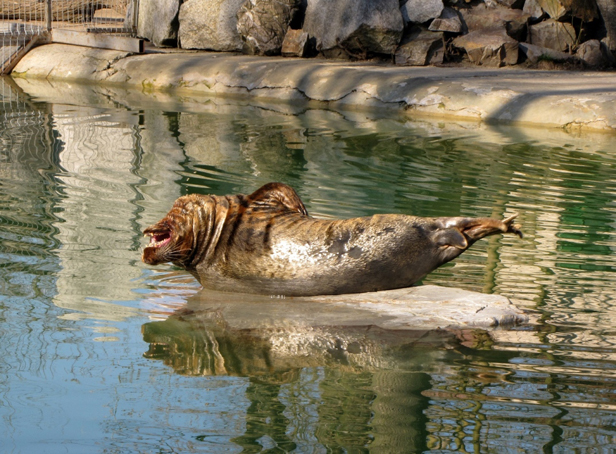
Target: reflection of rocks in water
(24, 134)
(232, 143)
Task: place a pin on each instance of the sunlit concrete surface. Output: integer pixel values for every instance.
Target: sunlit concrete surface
(561, 99)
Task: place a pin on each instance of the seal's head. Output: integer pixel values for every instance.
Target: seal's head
(172, 238)
(188, 234)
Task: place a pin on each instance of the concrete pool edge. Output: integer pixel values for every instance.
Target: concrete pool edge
(569, 100)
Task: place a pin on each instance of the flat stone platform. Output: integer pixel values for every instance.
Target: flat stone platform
(232, 334)
(249, 335)
(425, 307)
(570, 100)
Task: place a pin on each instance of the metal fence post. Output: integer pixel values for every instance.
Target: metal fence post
(132, 16)
(48, 15)
(135, 16)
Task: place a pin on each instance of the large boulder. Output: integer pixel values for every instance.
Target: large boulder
(210, 24)
(560, 9)
(262, 24)
(420, 11)
(535, 54)
(354, 27)
(608, 13)
(594, 54)
(295, 44)
(158, 22)
(420, 48)
(513, 21)
(553, 35)
(534, 10)
(554, 8)
(492, 48)
(448, 21)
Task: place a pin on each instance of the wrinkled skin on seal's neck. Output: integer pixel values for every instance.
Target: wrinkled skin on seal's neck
(267, 243)
(188, 235)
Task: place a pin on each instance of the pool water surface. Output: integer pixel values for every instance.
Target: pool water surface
(101, 353)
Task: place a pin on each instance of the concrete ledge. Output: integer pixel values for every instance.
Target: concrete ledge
(570, 100)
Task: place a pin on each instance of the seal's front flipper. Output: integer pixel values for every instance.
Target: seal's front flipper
(273, 195)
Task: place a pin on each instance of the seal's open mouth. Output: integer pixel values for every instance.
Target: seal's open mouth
(158, 239)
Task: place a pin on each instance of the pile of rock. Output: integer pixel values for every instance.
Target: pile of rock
(411, 32)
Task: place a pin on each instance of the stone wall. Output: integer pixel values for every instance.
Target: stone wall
(578, 33)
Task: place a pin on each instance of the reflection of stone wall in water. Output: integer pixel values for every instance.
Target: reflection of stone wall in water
(212, 142)
(95, 232)
(160, 156)
(115, 178)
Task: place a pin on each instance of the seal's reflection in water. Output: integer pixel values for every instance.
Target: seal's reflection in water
(318, 374)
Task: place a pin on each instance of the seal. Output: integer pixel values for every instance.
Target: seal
(266, 243)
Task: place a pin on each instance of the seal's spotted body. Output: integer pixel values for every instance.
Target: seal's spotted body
(267, 243)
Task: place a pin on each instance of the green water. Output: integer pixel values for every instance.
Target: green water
(100, 353)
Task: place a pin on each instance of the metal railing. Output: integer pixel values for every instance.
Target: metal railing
(24, 22)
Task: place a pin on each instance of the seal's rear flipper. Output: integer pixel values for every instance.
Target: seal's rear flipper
(451, 238)
(272, 195)
(511, 227)
(478, 228)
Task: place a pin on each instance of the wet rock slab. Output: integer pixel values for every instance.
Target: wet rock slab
(414, 308)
